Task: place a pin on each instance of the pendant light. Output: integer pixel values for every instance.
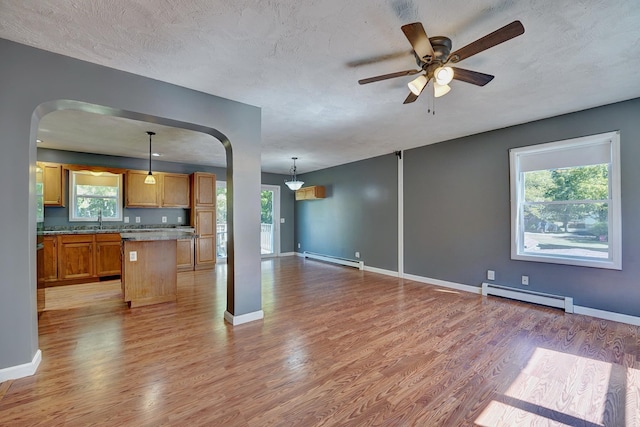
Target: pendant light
(293, 183)
(150, 179)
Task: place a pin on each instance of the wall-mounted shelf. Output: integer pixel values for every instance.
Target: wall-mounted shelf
(310, 193)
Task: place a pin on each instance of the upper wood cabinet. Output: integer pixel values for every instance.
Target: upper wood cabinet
(310, 193)
(171, 190)
(175, 190)
(138, 194)
(203, 189)
(53, 183)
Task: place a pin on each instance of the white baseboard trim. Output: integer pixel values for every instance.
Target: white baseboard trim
(300, 254)
(21, 371)
(444, 284)
(243, 318)
(607, 315)
(287, 254)
(381, 271)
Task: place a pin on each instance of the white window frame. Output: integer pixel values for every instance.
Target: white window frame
(549, 156)
(72, 199)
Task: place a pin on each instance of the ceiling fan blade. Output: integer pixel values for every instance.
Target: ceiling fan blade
(411, 98)
(419, 41)
(473, 77)
(501, 35)
(388, 76)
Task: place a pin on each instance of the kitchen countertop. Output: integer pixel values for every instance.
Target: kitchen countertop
(123, 230)
(157, 235)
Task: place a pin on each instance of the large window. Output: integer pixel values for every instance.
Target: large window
(565, 202)
(95, 195)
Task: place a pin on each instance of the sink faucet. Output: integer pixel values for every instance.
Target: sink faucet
(100, 219)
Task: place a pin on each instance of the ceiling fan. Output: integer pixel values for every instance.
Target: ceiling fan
(433, 54)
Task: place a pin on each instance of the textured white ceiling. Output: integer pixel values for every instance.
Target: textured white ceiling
(300, 62)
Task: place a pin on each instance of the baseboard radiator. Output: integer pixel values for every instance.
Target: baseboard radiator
(335, 260)
(550, 300)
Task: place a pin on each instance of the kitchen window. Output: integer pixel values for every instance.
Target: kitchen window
(95, 196)
(565, 202)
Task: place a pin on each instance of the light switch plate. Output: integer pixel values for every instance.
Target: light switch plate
(179, 220)
(133, 256)
(164, 219)
(491, 275)
(357, 254)
(525, 280)
(126, 220)
(281, 220)
(138, 219)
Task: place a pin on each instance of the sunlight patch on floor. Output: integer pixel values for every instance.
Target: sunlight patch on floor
(557, 388)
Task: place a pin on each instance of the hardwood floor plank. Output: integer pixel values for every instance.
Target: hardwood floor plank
(337, 346)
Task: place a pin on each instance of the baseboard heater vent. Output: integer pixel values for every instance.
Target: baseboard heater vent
(335, 260)
(550, 300)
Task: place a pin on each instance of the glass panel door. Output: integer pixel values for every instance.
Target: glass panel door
(221, 219)
(270, 220)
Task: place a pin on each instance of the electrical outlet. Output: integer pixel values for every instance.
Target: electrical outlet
(525, 280)
(357, 254)
(164, 219)
(179, 220)
(126, 220)
(491, 275)
(138, 219)
(298, 245)
(133, 256)
(281, 220)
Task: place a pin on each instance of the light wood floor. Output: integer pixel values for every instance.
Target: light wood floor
(337, 347)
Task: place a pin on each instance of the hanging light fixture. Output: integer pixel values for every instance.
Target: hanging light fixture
(150, 179)
(293, 183)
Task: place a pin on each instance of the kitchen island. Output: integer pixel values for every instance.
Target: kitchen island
(149, 272)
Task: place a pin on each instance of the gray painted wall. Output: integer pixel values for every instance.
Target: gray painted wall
(33, 83)
(457, 210)
(359, 213)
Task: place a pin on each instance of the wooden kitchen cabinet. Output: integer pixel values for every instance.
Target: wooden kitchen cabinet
(203, 219)
(50, 261)
(175, 190)
(203, 188)
(171, 190)
(311, 193)
(139, 194)
(205, 243)
(184, 254)
(53, 183)
(108, 254)
(75, 256)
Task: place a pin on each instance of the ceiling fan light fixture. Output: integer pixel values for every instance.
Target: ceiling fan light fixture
(443, 75)
(440, 90)
(417, 85)
(293, 183)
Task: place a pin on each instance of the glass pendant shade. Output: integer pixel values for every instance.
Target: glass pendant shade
(417, 85)
(150, 179)
(293, 183)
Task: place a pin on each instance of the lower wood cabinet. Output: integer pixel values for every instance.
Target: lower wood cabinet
(108, 255)
(50, 259)
(184, 254)
(78, 258)
(75, 256)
